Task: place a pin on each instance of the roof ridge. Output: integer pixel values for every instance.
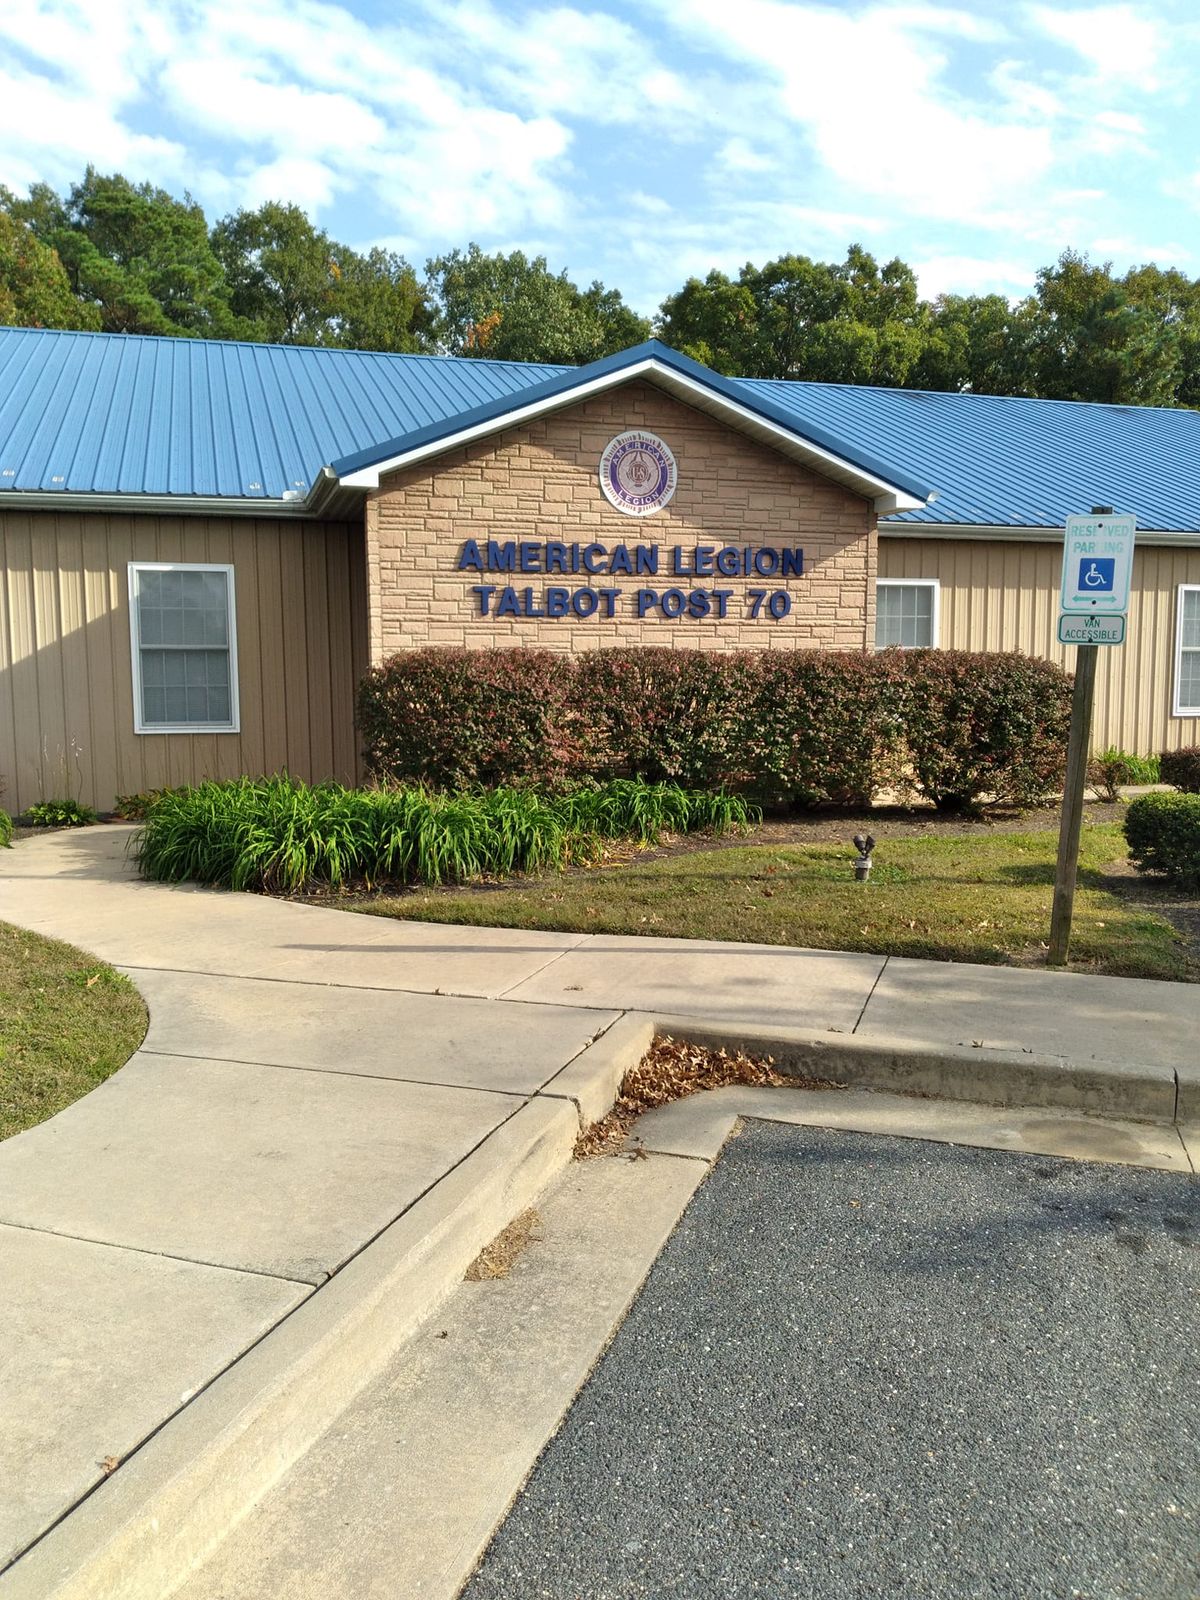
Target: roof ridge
(267, 344)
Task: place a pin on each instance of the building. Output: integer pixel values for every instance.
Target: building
(203, 545)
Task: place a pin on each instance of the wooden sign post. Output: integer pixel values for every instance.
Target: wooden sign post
(1097, 564)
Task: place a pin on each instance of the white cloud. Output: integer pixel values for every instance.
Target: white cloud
(302, 100)
(738, 155)
(868, 90)
(1116, 41)
(963, 274)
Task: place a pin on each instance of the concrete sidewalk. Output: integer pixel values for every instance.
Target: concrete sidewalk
(314, 1083)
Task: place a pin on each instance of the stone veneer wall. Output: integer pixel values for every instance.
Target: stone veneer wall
(540, 482)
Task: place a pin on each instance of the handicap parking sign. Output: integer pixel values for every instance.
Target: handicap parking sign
(1097, 563)
(1096, 575)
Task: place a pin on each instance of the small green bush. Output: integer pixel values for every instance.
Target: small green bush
(6, 830)
(1163, 832)
(59, 814)
(1181, 768)
(277, 834)
(985, 724)
(1112, 770)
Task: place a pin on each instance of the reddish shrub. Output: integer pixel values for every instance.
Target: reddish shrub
(456, 718)
(979, 724)
(1181, 768)
(791, 725)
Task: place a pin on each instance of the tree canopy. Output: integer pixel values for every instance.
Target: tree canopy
(128, 257)
(512, 309)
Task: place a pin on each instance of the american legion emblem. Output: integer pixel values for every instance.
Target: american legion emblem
(637, 473)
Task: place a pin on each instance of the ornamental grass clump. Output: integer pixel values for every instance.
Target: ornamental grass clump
(279, 835)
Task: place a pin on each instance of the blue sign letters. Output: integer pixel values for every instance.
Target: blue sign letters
(554, 558)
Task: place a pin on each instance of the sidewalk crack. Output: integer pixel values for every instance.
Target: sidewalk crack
(545, 967)
(871, 996)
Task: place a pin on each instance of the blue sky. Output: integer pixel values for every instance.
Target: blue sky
(640, 143)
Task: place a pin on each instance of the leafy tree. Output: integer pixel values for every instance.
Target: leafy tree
(134, 255)
(1093, 340)
(1173, 299)
(290, 283)
(712, 320)
(851, 322)
(35, 291)
(978, 343)
(513, 309)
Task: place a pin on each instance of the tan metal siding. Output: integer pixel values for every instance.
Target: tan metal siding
(66, 690)
(1003, 595)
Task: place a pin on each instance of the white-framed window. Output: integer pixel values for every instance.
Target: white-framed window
(906, 612)
(183, 633)
(1187, 652)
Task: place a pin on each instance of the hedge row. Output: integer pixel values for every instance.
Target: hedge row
(794, 726)
(1163, 833)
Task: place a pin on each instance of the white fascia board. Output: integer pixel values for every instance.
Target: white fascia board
(886, 497)
(1185, 540)
(312, 504)
(156, 504)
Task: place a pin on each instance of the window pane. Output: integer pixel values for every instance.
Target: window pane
(193, 626)
(1190, 620)
(183, 628)
(904, 615)
(185, 686)
(1189, 679)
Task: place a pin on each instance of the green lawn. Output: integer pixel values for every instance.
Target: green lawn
(977, 897)
(66, 1023)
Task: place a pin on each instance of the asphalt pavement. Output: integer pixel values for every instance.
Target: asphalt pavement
(867, 1366)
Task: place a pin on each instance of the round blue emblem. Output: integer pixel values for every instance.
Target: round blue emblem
(637, 473)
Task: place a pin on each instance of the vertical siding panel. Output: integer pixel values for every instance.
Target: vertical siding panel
(47, 634)
(97, 609)
(8, 684)
(271, 603)
(245, 754)
(66, 670)
(24, 777)
(78, 744)
(311, 543)
(137, 764)
(341, 653)
(295, 653)
(360, 628)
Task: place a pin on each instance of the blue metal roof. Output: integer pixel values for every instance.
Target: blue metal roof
(131, 415)
(1018, 463)
(121, 413)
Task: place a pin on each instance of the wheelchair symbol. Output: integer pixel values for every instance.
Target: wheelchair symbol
(1096, 575)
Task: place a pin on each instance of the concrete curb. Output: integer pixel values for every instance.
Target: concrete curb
(138, 1536)
(592, 1080)
(1135, 1091)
